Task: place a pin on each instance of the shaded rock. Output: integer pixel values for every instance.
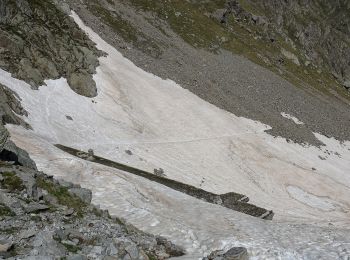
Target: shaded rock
(47, 44)
(68, 212)
(27, 233)
(65, 184)
(3, 137)
(33, 207)
(20, 156)
(82, 83)
(50, 234)
(235, 253)
(11, 108)
(84, 194)
(5, 245)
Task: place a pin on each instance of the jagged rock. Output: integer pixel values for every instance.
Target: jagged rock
(65, 184)
(5, 245)
(27, 233)
(84, 194)
(323, 41)
(11, 108)
(56, 233)
(12, 203)
(35, 207)
(346, 84)
(68, 212)
(21, 156)
(47, 44)
(3, 137)
(235, 253)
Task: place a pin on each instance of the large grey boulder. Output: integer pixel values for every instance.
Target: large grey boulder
(21, 155)
(84, 194)
(82, 83)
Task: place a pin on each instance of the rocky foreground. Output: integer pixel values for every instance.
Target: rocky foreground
(42, 218)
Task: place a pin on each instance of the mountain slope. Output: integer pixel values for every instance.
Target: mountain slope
(185, 41)
(182, 89)
(166, 126)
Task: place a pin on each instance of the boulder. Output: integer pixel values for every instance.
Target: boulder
(235, 253)
(84, 194)
(20, 155)
(82, 83)
(5, 245)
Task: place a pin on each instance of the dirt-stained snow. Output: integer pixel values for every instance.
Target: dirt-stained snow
(165, 126)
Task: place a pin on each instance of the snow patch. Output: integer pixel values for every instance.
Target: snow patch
(311, 200)
(166, 126)
(294, 119)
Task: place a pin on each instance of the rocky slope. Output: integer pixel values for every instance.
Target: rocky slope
(41, 218)
(285, 68)
(38, 42)
(317, 32)
(188, 42)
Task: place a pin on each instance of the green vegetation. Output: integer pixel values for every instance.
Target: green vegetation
(5, 211)
(9, 230)
(151, 257)
(71, 248)
(12, 182)
(193, 22)
(62, 195)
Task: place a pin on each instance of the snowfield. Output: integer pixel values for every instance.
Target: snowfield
(162, 125)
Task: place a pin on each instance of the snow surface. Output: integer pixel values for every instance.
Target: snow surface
(168, 127)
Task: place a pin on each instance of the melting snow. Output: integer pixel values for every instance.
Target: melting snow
(166, 126)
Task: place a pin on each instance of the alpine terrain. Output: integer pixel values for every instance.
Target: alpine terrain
(182, 129)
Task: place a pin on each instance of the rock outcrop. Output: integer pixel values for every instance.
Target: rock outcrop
(235, 253)
(41, 218)
(318, 31)
(38, 41)
(11, 108)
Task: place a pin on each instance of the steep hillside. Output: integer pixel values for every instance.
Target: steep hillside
(193, 44)
(212, 125)
(38, 41)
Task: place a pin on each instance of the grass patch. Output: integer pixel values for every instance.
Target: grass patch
(71, 248)
(151, 257)
(191, 20)
(6, 211)
(10, 230)
(62, 195)
(12, 182)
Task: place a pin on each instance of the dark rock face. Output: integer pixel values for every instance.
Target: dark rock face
(11, 108)
(319, 29)
(38, 41)
(18, 155)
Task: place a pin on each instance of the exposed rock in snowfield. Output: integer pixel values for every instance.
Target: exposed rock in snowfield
(36, 44)
(168, 127)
